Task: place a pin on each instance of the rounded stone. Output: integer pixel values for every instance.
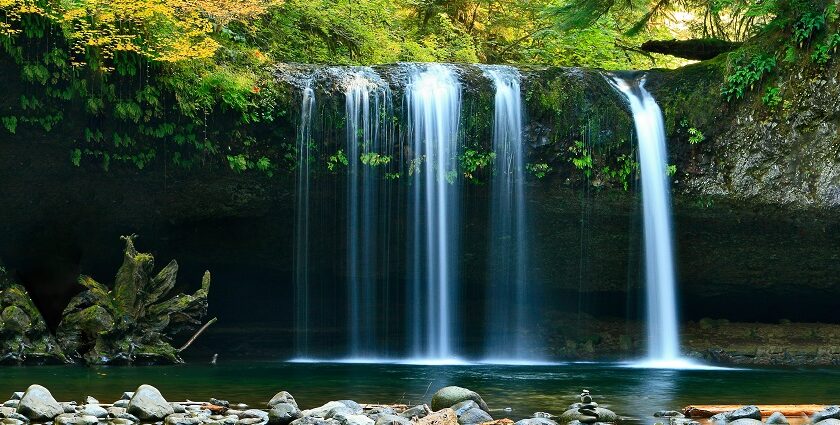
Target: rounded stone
(777, 418)
(282, 397)
(830, 412)
(746, 421)
(474, 416)
(387, 419)
(283, 414)
(536, 421)
(450, 396)
(38, 404)
(148, 404)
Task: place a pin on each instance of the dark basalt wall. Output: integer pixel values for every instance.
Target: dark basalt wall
(757, 228)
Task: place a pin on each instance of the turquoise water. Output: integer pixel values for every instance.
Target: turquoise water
(524, 389)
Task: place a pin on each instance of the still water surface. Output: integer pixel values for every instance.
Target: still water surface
(630, 392)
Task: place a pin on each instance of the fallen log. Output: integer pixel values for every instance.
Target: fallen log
(697, 49)
(791, 410)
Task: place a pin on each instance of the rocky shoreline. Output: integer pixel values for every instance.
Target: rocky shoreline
(450, 405)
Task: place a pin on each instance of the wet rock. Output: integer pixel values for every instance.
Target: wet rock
(682, 421)
(6, 411)
(829, 421)
(39, 405)
(230, 419)
(441, 417)
(11, 403)
(544, 415)
(830, 412)
(282, 397)
(127, 395)
(121, 403)
(148, 404)
(17, 416)
(376, 412)
(667, 414)
(11, 421)
(419, 411)
(283, 414)
(120, 421)
(388, 419)
(777, 418)
(178, 408)
(746, 412)
(450, 396)
(91, 400)
(94, 410)
(69, 407)
(17, 395)
(217, 402)
(474, 416)
(536, 421)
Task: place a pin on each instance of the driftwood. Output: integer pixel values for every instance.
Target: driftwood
(697, 49)
(190, 341)
(133, 320)
(791, 410)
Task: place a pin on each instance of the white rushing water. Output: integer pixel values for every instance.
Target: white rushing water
(301, 270)
(433, 99)
(511, 302)
(367, 117)
(660, 282)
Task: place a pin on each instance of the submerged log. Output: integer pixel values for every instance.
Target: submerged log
(696, 49)
(791, 410)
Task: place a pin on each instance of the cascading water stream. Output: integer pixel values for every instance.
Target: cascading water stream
(510, 299)
(660, 282)
(367, 112)
(433, 99)
(301, 270)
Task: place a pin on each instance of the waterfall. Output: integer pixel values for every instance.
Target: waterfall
(509, 324)
(301, 268)
(660, 282)
(367, 116)
(433, 99)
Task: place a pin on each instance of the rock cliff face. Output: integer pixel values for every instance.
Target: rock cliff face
(755, 203)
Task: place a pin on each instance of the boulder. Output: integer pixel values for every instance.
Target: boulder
(445, 416)
(39, 405)
(283, 413)
(115, 411)
(474, 416)
(829, 421)
(11, 403)
(91, 400)
(282, 397)
(746, 412)
(387, 419)
(94, 410)
(321, 411)
(536, 421)
(463, 406)
(127, 417)
(127, 395)
(218, 402)
(4, 411)
(356, 408)
(830, 412)
(419, 411)
(148, 404)
(777, 418)
(121, 403)
(450, 396)
(69, 407)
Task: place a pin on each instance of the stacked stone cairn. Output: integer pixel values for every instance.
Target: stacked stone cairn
(587, 411)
